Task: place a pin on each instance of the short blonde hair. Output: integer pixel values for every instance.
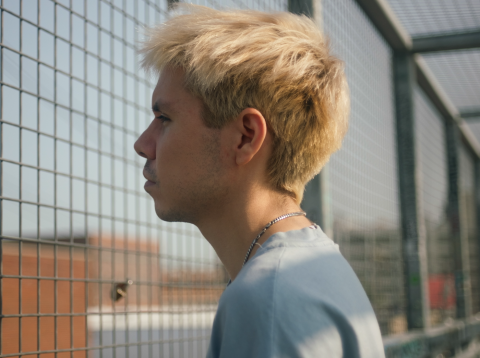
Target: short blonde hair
(278, 63)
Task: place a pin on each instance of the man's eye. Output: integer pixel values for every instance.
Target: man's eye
(163, 118)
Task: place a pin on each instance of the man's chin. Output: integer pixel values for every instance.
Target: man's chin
(170, 215)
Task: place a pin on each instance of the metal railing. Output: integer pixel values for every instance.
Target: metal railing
(88, 269)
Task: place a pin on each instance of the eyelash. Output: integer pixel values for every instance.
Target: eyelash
(163, 118)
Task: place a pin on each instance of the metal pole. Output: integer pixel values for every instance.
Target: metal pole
(312, 199)
(477, 202)
(471, 114)
(1, 185)
(301, 7)
(461, 41)
(316, 200)
(459, 237)
(414, 238)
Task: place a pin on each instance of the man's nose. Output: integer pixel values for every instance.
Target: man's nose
(145, 144)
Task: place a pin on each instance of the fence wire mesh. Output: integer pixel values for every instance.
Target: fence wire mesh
(77, 226)
(86, 266)
(363, 175)
(432, 162)
(459, 75)
(423, 18)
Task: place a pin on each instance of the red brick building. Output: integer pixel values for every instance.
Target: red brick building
(83, 283)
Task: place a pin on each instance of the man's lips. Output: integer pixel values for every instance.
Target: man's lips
(149, 182)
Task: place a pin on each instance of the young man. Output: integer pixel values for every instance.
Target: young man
(248, 108)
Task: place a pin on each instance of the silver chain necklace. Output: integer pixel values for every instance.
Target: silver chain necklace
(298, 213)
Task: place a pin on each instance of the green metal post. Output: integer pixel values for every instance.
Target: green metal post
(414, 238)
(316, 200)
(459, 237)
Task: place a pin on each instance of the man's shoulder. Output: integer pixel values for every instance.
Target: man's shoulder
(300, 296)
(287, 258)
(303, 268)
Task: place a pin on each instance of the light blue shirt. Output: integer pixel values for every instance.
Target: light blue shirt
(297, 297)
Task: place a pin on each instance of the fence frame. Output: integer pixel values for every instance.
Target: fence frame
(383, 18)
(409, 70)
(414, 240)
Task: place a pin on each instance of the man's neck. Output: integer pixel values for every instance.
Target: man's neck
(232, 227)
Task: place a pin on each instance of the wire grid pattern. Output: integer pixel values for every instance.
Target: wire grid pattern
(75, 221)
(260, 5)
(433, 167)
(468, 211)
(423, 18)
(363, 174)
(474, 125)
(458, 72)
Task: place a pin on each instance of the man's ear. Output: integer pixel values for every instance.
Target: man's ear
(251, 130)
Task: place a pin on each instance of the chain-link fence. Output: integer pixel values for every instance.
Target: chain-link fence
(363, 175)
(86, 266)
(432, 159)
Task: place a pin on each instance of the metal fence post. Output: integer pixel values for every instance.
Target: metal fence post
(301, 7)
(171, 3)
(316, 200)
(414, 238)
(459, 237)
(477, 200)
(312, 199)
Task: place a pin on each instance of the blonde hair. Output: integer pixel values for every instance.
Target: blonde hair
(278, 63)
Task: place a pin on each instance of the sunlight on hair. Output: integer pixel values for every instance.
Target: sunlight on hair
(278, 63)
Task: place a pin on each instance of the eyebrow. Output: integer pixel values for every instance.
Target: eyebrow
(160, 106)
